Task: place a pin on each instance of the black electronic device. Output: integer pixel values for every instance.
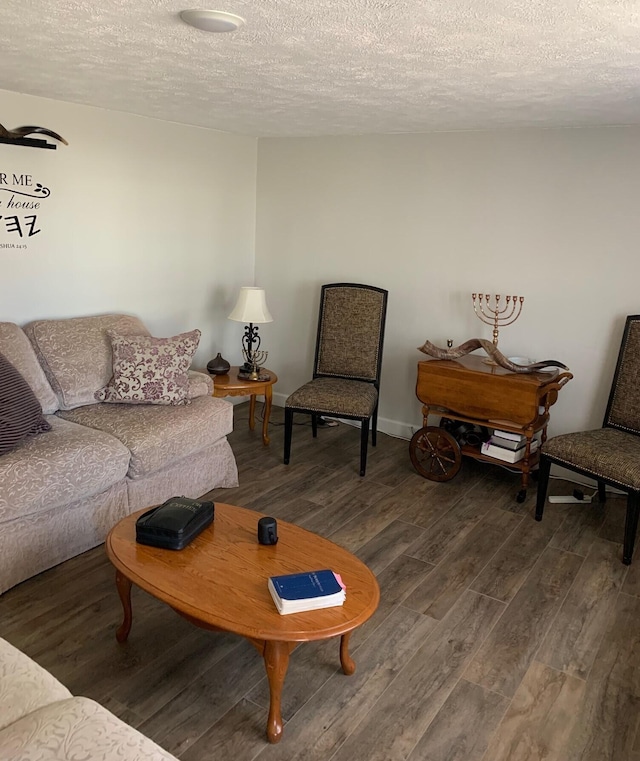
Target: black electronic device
(267, 531)
(174, 523)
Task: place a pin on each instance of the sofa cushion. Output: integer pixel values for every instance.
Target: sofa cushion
(24, 686)
(16, 347)
(29, 544)
(156, 435)
(64, 465)
(76, 353)
(199, 472)
(20, 411)
(75, 729)
(149, 370)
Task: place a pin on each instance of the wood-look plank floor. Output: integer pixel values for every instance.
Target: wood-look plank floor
(497, 638)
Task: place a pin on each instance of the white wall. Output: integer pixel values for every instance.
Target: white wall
(159, 220)
(146, 217)
(547, 214)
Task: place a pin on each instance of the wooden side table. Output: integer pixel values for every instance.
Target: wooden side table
(231, 385)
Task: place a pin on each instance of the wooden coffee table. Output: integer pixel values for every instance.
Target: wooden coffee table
(219, 582)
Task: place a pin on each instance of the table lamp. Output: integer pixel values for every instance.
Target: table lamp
(251, 308)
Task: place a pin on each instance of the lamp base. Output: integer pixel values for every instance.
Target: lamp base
(250, 376)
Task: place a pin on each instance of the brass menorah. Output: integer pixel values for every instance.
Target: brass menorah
(255, 359)
(499, 316)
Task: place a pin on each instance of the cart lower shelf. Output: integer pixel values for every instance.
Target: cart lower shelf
(437, 456)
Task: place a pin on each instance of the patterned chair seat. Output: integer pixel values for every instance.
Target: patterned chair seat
(335, 396)
(605, 453)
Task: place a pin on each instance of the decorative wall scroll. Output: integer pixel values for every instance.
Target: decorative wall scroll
(22, 200)
(23, 194)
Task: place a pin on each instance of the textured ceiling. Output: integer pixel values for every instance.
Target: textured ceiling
(319, 67)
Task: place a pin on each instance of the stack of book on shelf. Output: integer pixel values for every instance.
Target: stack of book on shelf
(297, 592)
(507, 446)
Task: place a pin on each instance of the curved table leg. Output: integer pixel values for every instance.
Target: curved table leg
(124, 590)
(276, 660)
(268, 394)
(252, 412)
(346, 661)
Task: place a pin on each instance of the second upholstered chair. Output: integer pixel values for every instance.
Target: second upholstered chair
(348, 359)
(611, 454)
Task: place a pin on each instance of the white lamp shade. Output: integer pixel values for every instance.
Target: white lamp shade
(251, 306)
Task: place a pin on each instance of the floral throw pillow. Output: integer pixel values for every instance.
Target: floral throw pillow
(150, 370)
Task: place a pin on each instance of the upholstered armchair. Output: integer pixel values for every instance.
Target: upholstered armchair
(348, 359)
(611, 454)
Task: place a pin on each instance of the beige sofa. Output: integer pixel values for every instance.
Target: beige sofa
(62, 491)
(40, 719)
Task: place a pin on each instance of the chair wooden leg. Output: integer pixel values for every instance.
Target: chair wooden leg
(602, 492)
(374, 427)
(631, 526)
(314, 426)
(364, 442)
(543, 484)
(288, 430)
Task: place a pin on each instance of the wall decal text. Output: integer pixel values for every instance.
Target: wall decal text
(20, 193)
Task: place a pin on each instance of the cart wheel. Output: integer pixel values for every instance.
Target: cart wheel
(435, 454)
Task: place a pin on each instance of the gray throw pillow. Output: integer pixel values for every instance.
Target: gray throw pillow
(20, 410)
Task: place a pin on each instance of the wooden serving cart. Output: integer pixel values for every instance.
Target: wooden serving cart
(471, 390)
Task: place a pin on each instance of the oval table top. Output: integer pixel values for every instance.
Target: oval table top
(227, 384)
(219, 580)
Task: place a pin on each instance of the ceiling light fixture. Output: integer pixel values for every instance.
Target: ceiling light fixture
(212, 21)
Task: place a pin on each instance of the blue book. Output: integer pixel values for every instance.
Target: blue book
(297, 592)
(303, 586)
